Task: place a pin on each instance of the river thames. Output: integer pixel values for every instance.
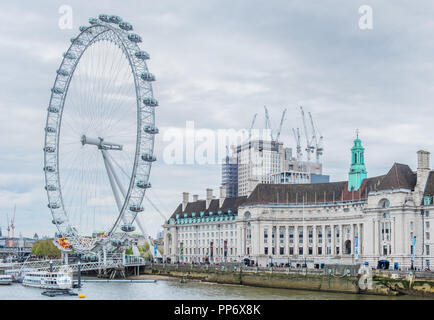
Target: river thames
(175, 290)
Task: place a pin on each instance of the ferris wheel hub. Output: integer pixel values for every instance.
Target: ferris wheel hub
(100, 143)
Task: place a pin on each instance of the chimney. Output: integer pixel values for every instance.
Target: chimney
(423, 160)
(222, 195)
(208, 197)
(421, 174)
(184, 200)
(195, 197)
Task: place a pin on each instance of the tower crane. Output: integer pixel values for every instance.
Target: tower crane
(309, 147)
(13, 226)
(318, 141)
(268, 123)
(9, 229)
(298, 143)
(281, 123)
(251, 126)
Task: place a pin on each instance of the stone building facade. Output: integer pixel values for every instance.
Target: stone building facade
(377, 219)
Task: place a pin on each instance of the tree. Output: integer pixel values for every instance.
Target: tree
(45, 248)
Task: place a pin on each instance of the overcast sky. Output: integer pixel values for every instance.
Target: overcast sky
(218, 63)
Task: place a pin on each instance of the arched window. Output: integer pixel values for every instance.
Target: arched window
(384, 203)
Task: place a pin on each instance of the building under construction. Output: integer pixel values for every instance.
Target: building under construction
(266, 160)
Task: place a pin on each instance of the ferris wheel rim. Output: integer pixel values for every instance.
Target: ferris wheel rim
(143, 141)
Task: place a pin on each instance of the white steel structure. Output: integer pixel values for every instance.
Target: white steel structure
(99, 140)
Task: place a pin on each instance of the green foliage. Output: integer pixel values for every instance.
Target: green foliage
(45, 248)
(129, 251)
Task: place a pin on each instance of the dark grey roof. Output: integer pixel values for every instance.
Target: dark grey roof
(429, 187)
(231, 204)
(399, 176)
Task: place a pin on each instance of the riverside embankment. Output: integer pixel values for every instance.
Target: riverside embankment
(343, 279)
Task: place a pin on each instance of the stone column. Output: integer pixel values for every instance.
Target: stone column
(314, 238)
(296, 244)
(341, 240)
(324, 240)
(305, 241)
(352, 238)
(333, 245)
(286, 241)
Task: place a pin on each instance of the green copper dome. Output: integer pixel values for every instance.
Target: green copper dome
(357, 170)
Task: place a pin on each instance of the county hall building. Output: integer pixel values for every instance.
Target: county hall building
(385, 219)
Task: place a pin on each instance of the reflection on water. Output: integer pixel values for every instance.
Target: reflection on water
(168, 289)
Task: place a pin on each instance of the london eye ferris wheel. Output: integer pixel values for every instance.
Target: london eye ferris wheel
(99, 135)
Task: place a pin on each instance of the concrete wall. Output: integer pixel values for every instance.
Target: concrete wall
(269, 279)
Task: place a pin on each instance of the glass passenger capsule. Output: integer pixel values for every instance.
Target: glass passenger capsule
(134, 37)
(151, 129)
(53, 205)
(62, 72)
(57, 90)
(116, 242)
(77, 41)
(147, 76)
(69, 55)
(85, 29)
(50, 129)
(136, 208)
(57, 221)
(50, 187)
(49, 169)
(125, 26)
(143, 184)
(143, 55)
(49, 149)
(115, 19)
(93, 20)
(148, 157)
(103, 17)
(128, 228)
(150, 102)
(53, 110)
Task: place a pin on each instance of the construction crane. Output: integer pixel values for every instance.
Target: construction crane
(268, 123)
(9, 229)
(251, 126)
(280, 126)
(318, 141)
(298, 143)
(13, 227)
(309, 148)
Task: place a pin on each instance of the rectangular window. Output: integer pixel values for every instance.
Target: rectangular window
(310, 235)
(427, 250)
(427, 235)
(281, 251)
(337, 250)
(265, 235)
(291, 251)
(291, 235)
(282, 235)
(300, 236)
(300, 251)
(266, 250)
(319, 250)
(272, 251)
(310, 250)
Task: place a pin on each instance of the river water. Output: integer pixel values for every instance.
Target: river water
(174, 290)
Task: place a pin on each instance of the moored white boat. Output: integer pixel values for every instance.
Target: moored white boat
(48, 280)
(5, 279)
